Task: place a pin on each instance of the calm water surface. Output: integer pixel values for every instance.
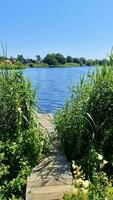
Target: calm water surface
(52, 85)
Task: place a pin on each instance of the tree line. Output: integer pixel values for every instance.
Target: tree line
(54, 59)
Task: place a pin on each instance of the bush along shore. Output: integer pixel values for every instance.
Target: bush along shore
(50, 60)
(22, 142)
(85, 128)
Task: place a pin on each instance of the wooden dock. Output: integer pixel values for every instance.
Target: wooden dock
(52, 177)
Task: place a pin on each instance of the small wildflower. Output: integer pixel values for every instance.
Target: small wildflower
(73, 165)
(85, 191)
(105, 162)
(19, 109)
(100, 157)
(86, 184)
(75, 190)
(79, 182)
(78, 173)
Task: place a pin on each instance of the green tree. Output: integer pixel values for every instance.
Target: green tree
(76, 60)
(82, 60)
(51, 60)
(90, 62)
(60, 58)
(69, 59)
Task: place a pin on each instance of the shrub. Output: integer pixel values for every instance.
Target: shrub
(99, 189)
(16, 65)
(98, 186)
(21, 139)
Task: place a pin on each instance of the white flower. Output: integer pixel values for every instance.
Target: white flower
(19, 109)
(73, 165)
(86, 184)
(85, 191)
(79, 181)
(105, 162)
(75, 190)
(100, 157)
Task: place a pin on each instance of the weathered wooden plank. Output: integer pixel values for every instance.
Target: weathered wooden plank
(52, 176)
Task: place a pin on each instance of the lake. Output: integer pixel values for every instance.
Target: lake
(52, 85)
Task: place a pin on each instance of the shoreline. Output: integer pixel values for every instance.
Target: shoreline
(59, 66)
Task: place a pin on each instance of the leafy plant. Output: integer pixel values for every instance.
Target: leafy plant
(22, 142)
(99, 189)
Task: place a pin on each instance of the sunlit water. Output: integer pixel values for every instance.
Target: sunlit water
(52, 85)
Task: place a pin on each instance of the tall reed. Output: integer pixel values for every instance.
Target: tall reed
(87, 120)
(22, 141)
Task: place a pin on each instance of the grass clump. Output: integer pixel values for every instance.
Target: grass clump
(22, 142)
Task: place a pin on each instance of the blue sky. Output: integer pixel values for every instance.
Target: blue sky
(71, 27)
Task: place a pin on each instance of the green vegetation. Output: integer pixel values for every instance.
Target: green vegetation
(33, 65)
(22, 142)
(50, 60)
(85, 127)
(59, 60)
(99, 189)
(70, 64)
(54, 59)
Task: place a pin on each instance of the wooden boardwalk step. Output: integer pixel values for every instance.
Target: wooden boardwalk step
(52, 176)
(48, 193)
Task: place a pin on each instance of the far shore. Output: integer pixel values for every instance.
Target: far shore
(42, 65)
